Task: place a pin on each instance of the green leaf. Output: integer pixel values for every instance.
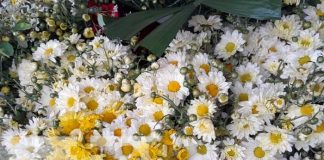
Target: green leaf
(126, 27)
(6, 49)
(21, 26)
(258, 9)
(158, 40)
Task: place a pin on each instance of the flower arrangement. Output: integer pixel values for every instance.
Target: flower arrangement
(226, 88)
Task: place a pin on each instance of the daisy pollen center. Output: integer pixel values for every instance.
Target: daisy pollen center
(230, 47)
(202, 110)
(259, 152)
(174, 86)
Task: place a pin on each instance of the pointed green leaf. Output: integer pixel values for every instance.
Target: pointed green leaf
(258, 9)
(21, 26)
(6, 49)
(126, 27)
(158, 40)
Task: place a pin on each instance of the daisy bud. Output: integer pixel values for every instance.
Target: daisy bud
(53, 95)
(98, 124)
(298, 83)
(1, 113)
(86, 17)
(190, 66)
(118, 77)
(306, 24)
(318, 156)
(126, 87)
(127, 60)
(5, 38)
(5, 90)
(192, 117)
(134, 40)
(320, 59)
(151, 58)
(155, 66)
(153, 95)
(136, 137)
(81, 47)
(186, 84)
(88, 32)
(234, 75)
(306, 130)
(195, 92)
(223, 98)
(313, 120)
(294, 39)
(183, 70)
(144, 8)
(181, 121)
(34, 79)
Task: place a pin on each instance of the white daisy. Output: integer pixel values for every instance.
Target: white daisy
(302, 113)
(50, 50)
(30, 147)
(249, 73)
(230, 43)
(170, 83)
(287, 27)
(11, 139)
(232, 151)
(69, 99)
(203, 152)
(245, 126)
(200, 23)
(276, 139)
(242, 91)
(204, 129)
(308, 40)
(182, 42)
(213, 84)
(256, 151)
(201, 107)
(201, 64)
(177, 59)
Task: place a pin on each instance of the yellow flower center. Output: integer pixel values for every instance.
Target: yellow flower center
(118, 132)
(245, 126)
(158, 116)
(188, 131)
(174, 62)
(243, 97)
(202, 110)
(316, 87)
(92, 104)
(231, 153)
(127, 149)
(15, 140)
(230, 47)
(319, 13)
(173, 86)
(246, 77)
(144, 129)
(259, 152)
(128, 122)
(49, 51)
(205, 67)
(108, 116)
(275, 138)
(88, 89)
(307, 110)
(183, 154)
(158, 100)
(305, 43)
(286, 26)
(320, 128)
(254, 109)
(212, 90)
(272, 49)
(202, 149)
(52, 102)
(70, 102)
(71, 58)
(304, 60)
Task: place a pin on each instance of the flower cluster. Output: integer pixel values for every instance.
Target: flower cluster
(219, 92)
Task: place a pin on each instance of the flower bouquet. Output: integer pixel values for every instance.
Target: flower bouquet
(227, 83)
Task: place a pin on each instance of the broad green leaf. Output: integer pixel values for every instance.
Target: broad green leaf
(258, 9)
(21, 26)
(126, 27)
(6, 49)
(158, 40)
